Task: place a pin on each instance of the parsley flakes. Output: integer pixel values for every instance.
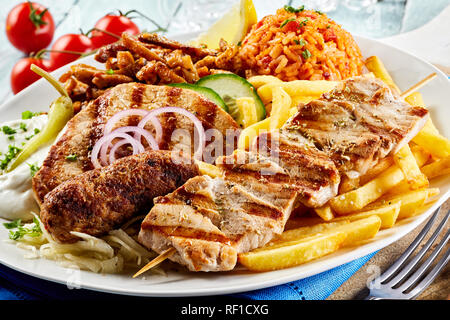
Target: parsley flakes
(306, 54)
(33, 169)
(285, 22)
(293, 10)
(28, 115)
(10, 155)
(72, 157)
(8, 130)
(17, 231)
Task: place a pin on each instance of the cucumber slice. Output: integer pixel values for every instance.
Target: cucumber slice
(207, 92)
(230, 87)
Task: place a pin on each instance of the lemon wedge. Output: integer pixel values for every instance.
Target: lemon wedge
(232, 27)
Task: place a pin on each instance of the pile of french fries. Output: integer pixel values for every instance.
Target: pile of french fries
(397, 188)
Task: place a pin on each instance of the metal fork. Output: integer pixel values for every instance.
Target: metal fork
(404, 280)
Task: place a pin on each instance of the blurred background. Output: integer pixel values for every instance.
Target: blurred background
(370, 18)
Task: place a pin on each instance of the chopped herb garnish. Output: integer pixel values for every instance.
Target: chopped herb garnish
(11, 138)
(329, 26)
(11, 154)
(306, 54)
(33, 169)
(72, 157)
(296, 41)
(36, 130)
(110, 71)
(23, 126)
(13, 224)
(8, 130)
(21, 231)
(239, 43)
(303, 23)
(28, 115)
(285, 22)
(319, 12)
(293, 10)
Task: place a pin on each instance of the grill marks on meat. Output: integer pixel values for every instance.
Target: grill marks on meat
(126, 188)
(209, 221)
(358, 123)
(84, 130)
(244, 209)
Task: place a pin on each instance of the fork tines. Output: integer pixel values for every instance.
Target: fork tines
(405, 279)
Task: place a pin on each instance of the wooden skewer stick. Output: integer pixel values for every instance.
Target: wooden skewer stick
(163, 256)
(418, 85)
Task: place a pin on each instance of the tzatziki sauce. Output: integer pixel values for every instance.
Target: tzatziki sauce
(16, 194)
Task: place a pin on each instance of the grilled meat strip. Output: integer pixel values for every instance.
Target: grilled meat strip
(84, 130)
(209, 221)
(100, 200)
(358, 123)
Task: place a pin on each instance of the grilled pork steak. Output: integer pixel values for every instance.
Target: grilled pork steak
(358, 123)
(209, 221)
(100, 200)
(84, 130)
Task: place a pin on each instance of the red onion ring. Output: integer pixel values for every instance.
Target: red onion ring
(141, 132)
(105, 142)
(134, 112)
(198, 154)
(113, 150)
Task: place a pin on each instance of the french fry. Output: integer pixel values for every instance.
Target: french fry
(375, 65)
(436, 144)
(410, 201)
(348, 184)
(250, 133)
(209, 169)
(306, 231)
(281, 105)
(292, 253)
(247, 108)
(325, 212)
(297, 88)
(359, 230)
(421, 155)
(405, 160)
(259, 81)
(357, 199)
(432, 193)
(380, 167)
(387, 211)
(437, 168)
(296, 100)
(356, 231)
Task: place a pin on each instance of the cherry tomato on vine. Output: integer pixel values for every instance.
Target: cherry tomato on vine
(115, 24)
(78, 44)
(30, 27)
(21, 74)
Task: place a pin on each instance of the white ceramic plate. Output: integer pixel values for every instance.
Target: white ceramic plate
(406, 71)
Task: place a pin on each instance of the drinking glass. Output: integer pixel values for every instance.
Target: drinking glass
(193, 15)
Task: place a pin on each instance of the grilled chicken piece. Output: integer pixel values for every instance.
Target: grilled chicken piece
(358, 123)
(303, 168)
(209, 221)
(100, 200)
(84, 130)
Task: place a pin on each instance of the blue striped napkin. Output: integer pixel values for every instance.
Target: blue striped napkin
(18, 286)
